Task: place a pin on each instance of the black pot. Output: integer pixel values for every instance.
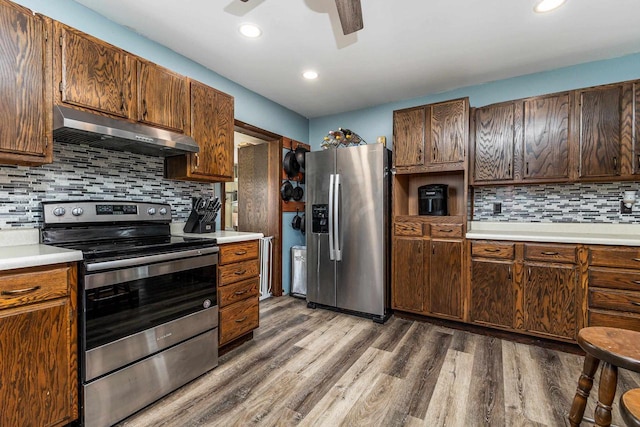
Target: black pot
(290, 164)
(300, 151)
(296, 221)
(286, 191)
(302, 224)
(298, 192)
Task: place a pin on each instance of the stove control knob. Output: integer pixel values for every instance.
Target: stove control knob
(77, 211)
(163, 211)
(151, 211)
(59, 211)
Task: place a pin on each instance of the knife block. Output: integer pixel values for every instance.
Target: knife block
(196, 223)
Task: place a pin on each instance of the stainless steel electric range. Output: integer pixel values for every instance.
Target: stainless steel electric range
(149, 315)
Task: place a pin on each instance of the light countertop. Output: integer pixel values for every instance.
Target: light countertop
(595, 234)
(20, 248)
(220, 236)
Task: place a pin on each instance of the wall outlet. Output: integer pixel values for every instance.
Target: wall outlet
(624, 209)
(497, 208)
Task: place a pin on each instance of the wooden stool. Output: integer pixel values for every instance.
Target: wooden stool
(630, 407)
(616, 348)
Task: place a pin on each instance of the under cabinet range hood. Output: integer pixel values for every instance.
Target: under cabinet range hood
(82, 127)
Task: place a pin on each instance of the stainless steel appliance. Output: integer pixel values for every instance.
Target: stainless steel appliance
(433, 200)
(348, 264)
(148, 318)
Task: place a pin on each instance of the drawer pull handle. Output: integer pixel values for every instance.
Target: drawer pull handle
(448, 230)
(241, 320)
(637, 282)
(20, 291)
(637, 304)
(636, 259)
(240, 292)
(549, 253)
(240, 272)
(492, 250)
(240, 252)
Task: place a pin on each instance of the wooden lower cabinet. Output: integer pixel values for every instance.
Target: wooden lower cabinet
(409, 288)
(38, 350)
(550, 300)
(446, 278)
(238, 290)
(493, 294)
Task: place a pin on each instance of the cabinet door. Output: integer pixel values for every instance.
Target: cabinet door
(449, 131)
(492, 293)
(26, 121)
(408, 289)
(94, 74)
(212, 128)
(36, 361)
(600, 130)
(445, 278)
(636, 126)
(550, 299)
(546, 137)
(162, 97)
(409, 137)
(494, 143)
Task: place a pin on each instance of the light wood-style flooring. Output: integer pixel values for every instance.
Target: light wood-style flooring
(321, 368)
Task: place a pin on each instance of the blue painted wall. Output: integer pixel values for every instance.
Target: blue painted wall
(378, 121)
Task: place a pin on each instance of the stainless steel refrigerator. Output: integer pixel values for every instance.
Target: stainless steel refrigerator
(347, 229)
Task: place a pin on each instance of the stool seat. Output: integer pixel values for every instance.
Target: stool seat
(615, 348)
(630, 407)
(619, 347)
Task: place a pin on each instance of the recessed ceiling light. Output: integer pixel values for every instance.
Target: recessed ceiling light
(547, 5)
(250, 30)
(310, 75)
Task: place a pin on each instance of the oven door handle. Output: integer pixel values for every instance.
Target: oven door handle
(143, 260)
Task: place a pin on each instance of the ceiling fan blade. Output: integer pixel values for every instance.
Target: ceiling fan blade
(350, 13)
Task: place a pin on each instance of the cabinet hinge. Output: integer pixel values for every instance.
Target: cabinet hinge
(61, 41)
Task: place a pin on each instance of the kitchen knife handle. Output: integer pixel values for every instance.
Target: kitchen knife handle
(20, 291)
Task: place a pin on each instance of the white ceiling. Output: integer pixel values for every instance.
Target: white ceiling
(407, 49)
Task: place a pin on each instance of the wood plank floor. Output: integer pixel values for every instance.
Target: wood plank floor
(320, 368)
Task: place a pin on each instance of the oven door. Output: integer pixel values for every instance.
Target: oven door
(133, 312)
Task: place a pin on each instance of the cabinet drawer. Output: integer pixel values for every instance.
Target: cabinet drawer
(493, 250)
(614, 278)
(446, 230)
(614, 300)
(614, 319)
(234, 252)
(238, 319)
(30, 285)
(408, 229)
(239, 271)
(549, 253)
(615, 257)
(235, 292)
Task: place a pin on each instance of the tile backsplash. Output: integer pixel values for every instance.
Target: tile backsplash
(584, 202)
(80, 172)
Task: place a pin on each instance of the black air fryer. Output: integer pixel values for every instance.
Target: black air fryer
(433, 199)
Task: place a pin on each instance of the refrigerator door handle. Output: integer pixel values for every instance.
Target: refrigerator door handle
(332, 256)
(336, 219)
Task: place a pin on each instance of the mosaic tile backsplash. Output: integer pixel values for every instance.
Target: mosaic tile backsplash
(80, 172)
(592, 202)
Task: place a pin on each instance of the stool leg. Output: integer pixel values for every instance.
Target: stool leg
(584, 388)
(606, 393)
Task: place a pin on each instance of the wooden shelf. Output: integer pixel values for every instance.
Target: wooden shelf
(292, 205)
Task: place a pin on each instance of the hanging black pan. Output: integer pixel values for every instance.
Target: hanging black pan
(286, 191)
(290, 164)
(300, 151)
(298, 192)
(296, 221)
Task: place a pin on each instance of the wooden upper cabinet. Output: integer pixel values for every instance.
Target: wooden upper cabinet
(546, 137)
(212, 125)
(163, 97)
(92, 74)
(431, 138)
(25, 93)
(602, 113)
(408, 137)
(635, 158)
(449, 131)
(494, 143)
